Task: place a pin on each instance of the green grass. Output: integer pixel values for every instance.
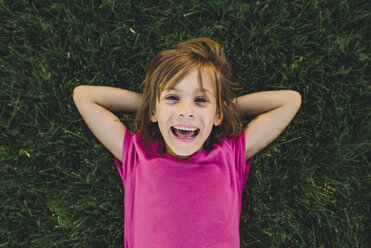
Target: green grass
(59, 185)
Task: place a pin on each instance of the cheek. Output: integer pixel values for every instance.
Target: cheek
(164, 117)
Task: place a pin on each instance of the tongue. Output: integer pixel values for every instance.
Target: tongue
(184, 133)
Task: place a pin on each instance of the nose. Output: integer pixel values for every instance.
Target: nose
(186, 110)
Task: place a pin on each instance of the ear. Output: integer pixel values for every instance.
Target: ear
(154, 117)
(218, 119)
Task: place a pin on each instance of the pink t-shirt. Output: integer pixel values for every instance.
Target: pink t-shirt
(170, 202)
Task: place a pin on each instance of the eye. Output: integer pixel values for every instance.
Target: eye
(201, 99)
(171, 98)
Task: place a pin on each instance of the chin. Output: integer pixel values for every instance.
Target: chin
(186, 153)
(181, 152)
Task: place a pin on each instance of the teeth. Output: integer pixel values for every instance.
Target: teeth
(186, 129)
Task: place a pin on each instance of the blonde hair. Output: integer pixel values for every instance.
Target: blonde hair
(170, 66)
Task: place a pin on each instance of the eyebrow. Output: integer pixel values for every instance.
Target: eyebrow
(195, 91)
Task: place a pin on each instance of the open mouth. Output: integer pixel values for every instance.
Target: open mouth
(185, 133)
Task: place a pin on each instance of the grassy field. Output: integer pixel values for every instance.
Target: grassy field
(59, 185)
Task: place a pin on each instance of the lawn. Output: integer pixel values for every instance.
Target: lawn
(60, 186)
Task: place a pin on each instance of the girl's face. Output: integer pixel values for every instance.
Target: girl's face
(185, 118)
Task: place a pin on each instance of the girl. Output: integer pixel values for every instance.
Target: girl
(185, 165)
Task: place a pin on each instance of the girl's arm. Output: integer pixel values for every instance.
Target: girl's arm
(275, 110)
(95, 104)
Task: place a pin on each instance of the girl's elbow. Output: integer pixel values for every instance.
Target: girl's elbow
(296, 97)
(298, 100)
(77, 93)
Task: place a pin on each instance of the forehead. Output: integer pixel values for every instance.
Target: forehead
(205, 80)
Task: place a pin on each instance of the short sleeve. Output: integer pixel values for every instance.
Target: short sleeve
(242, 166)
(125, 167)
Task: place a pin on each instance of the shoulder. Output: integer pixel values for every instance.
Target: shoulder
(233, 141)
(231, 149)
(146, 148)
